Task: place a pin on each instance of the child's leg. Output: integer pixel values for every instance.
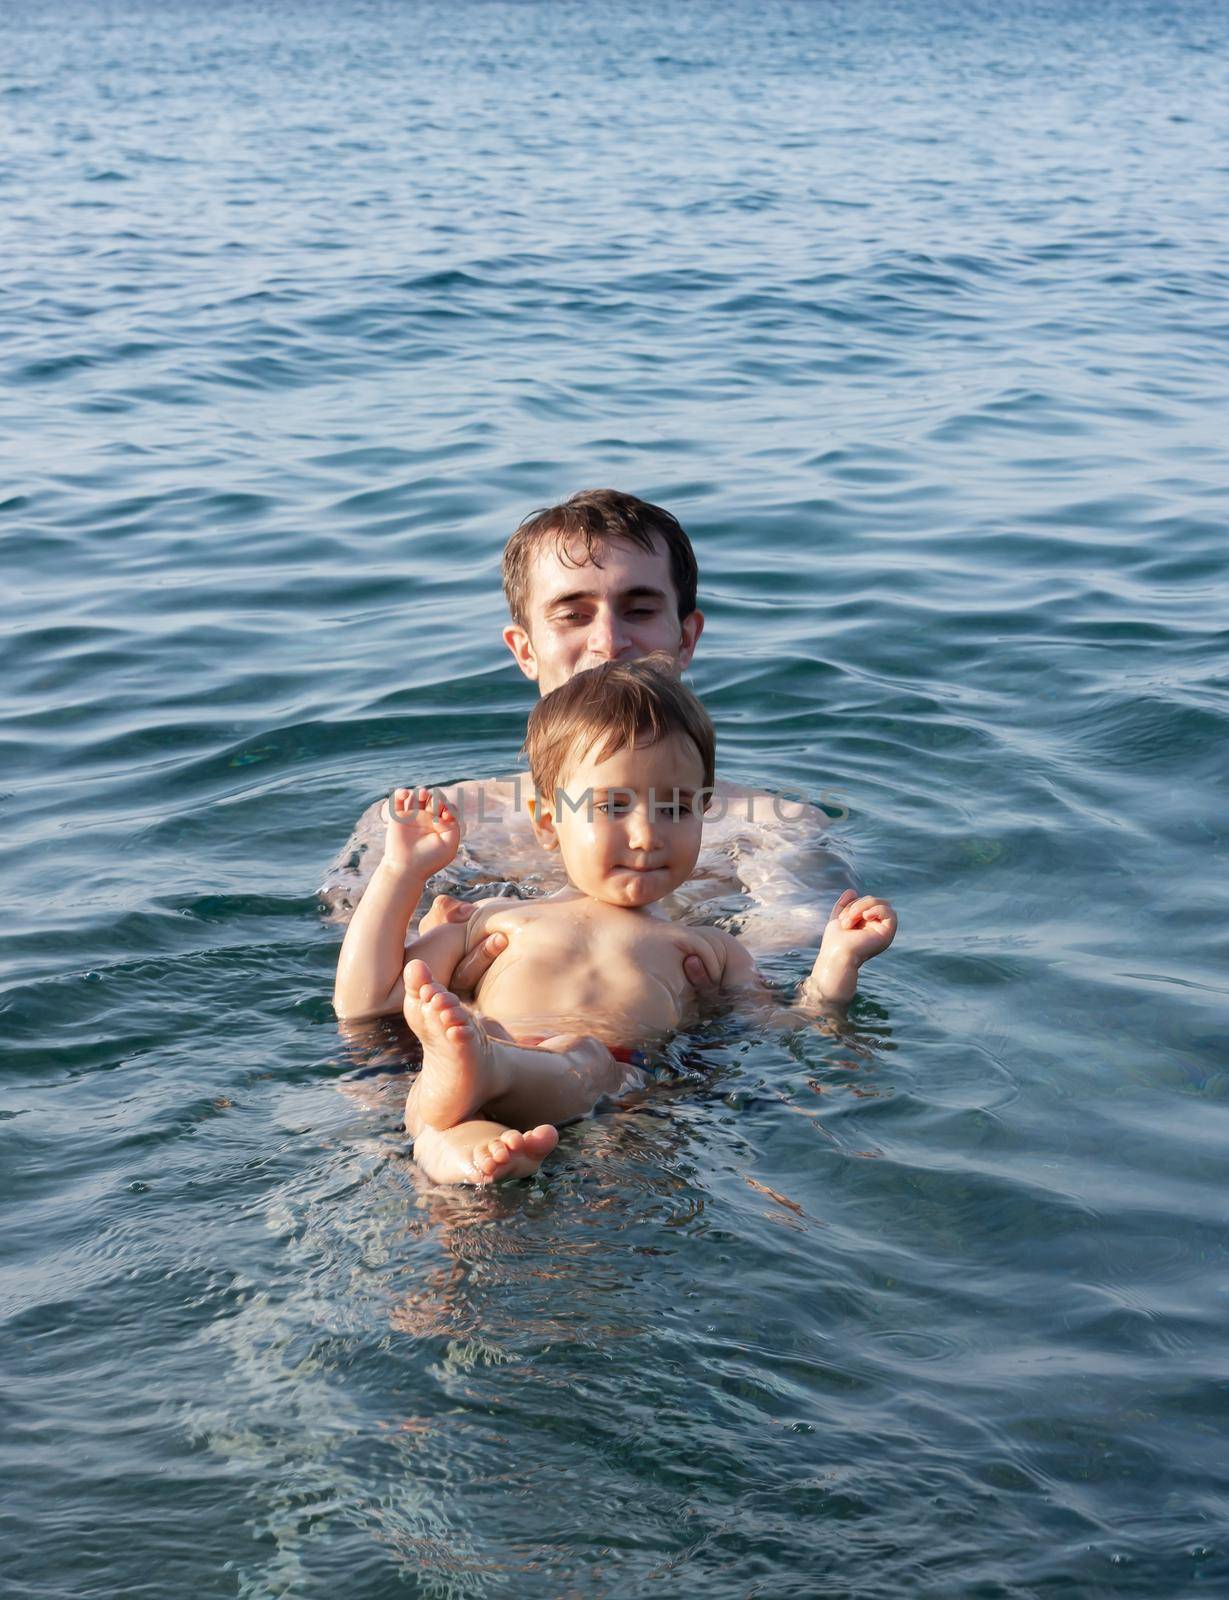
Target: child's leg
(466, 1069)
(481, 1151)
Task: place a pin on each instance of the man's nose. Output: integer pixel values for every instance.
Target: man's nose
(607, 639)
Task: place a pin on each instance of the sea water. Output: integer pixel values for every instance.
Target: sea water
(915, 315)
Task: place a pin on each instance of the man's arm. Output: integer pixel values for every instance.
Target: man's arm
(742, 981)
(739, 974)
(474, 964)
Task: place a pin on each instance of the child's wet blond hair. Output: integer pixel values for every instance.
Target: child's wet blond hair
(617, 706)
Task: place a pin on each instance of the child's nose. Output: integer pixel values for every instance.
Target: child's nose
(641, 831)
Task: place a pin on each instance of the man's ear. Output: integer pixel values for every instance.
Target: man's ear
(692, 627)
(518, 641)
(542, 816)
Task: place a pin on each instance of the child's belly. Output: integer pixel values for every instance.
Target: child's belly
(623, 1002)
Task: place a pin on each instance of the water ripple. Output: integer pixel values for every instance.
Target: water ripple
(298, 320)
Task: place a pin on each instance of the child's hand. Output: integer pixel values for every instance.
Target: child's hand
(423, 835)
(858, 929)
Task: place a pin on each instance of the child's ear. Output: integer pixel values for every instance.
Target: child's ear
(543, 819)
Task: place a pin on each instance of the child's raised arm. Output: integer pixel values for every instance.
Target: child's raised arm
(857, 930)
(423, 836)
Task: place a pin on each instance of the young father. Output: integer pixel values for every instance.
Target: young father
(606, 577)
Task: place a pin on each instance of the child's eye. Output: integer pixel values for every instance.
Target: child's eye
(671, 813)
(612, 808)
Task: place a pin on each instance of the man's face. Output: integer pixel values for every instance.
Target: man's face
(581, 616)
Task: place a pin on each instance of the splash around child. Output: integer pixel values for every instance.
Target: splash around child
(622, 758)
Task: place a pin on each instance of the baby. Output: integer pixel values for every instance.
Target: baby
(622, 759)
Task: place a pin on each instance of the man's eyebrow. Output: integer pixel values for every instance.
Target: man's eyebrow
(639, 591)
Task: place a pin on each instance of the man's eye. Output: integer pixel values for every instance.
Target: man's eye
(642, 611)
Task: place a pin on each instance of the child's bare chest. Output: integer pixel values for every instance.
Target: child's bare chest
(577, 936)
(575, 968)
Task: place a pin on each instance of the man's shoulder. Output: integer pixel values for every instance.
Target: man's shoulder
(479, 800)
(739, 802)
(498, 785)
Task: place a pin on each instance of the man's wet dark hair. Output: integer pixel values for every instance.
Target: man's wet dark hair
(580, 526)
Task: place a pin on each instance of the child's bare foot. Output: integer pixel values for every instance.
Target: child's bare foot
(460, 1070)
(514, 1154)
(480, 1151)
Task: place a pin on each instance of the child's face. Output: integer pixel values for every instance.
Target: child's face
(635, 833)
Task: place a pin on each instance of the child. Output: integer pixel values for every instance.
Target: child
(622, 759)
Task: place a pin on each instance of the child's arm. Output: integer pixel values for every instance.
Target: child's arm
(423, 835)
(857, 930)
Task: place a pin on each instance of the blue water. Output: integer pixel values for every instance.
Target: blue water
(915, 315)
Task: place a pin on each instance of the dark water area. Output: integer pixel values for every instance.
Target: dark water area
(916, 316)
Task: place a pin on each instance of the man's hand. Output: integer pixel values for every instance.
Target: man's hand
(476, 963)
(700, 978)
(702, 969)
(423, 835)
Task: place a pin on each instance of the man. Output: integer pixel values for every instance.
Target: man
(606, 577)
